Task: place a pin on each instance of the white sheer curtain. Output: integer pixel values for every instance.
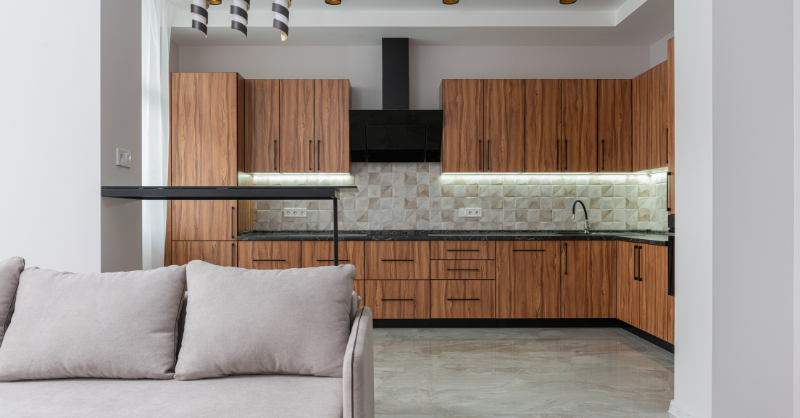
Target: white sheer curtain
(156, 24)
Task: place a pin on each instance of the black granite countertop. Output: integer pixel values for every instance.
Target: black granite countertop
(639, 237)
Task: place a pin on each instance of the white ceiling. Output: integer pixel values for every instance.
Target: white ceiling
(510, 22)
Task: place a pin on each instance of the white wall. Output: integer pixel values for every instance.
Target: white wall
(659, 51)
(796, 209)
(50, 135)
(121, 127)
(428, 65)
(735, 130)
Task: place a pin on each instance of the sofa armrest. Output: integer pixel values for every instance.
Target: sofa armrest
(358, 374)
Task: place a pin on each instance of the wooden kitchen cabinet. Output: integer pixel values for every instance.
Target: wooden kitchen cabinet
(641, 131)
(320, 253)
(462, 270)
(659, 118)
(462, 133)
(221, 253)
(628, 286)
(262, 126)
(270, 255)
(297, 133)
(398, 299)
(332, 126)
(398, 260)
(588, 279)
(579, 124)
(204, 220)
(462, 250)
(528, 279)
(671, 115)
(655, 308)
(462, 299)
(542, 125)
(504, 124)
(614, 126)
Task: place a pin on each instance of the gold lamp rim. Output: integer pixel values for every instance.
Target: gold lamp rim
(333, 2)
(567, 1)
(450, 2)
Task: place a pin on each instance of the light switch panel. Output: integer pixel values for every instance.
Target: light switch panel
(470, 213)
(123, 158)
(294, 213)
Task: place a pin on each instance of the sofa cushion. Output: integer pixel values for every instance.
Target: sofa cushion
(240, 397)
(9, 279)
(242, 321)
(109, 325)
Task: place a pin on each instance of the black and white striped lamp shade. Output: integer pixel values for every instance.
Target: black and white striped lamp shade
(281, 20)
(239, 10)
(199, 9)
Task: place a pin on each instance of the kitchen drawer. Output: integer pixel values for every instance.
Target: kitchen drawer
(462, 269)
(462, 250)
(398, 260)
(462, 299)
(269, 255)
(221, 253)
(320, 253)
(398, 299)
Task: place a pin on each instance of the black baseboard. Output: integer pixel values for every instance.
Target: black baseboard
(523, 323)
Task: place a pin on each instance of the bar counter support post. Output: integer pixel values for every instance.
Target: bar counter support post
(335, 231)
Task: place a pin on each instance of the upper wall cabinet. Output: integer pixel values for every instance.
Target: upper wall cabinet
(206, 128)
(262, 126)
(504, 126)
(462, 135)
(614, 125)
(671, 113)
(542, 125)
(579, 124)
(332, 125)
(297, 126)
(659, 117)
(641, 130)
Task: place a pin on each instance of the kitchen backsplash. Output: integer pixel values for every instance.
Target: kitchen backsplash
(418, 196)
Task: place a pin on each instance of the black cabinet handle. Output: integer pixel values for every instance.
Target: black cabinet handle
(397, 300)
(480, 155)
(488, 160)
(233, 222)
(667, 141)
(558, 153)
(331, 260)
(461, 299)
(566, 260)
(640, 263)
(267, 260)
(463, 269)
(635, 251)
(528, 251)
(275, 155)
(566, 157)
(397, 260)
(603, 154)
(669, 206)
(233, 254)
(461, 250)
(318, 147)
(311, 155)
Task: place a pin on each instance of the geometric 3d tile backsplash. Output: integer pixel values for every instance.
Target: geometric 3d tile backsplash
(418, 196)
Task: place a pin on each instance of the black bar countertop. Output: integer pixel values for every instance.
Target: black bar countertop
(638, 237)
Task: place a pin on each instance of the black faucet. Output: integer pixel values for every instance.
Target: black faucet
(585, 215)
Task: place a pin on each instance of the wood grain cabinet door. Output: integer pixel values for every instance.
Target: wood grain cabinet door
(659, 120)
(320, 253)
(504, 125)
(398, 260)
(614, 126)
(542, 126)
(671, 116)
(398, 299)
(462, 270)
(221, 253)
(262, 126)
(297, 145)
(462, 250)
(579, 113)
(204, 220)
(655, 318)
(204, 129)
(589, 279)
(528, 279)
(628, 289)
(462, 299)
(332, 126)
(640, 87)
(463, 147)
(270, 255)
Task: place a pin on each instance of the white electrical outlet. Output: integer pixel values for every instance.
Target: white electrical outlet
(123, 158)
(470, 213)
(294, 213)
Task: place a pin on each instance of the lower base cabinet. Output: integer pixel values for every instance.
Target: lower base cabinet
(270, 255)
(320, 253)
(528, 279)
(221, 253)
(398, 299)
(642, 287)
(589, 279)
(467, 299)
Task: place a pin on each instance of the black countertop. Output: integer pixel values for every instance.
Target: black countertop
(639, 237)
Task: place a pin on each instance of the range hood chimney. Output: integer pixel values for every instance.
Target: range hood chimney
(395, 134)
(395, 74)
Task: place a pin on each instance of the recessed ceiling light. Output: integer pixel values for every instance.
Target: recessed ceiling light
(333, 2)
(449, 1)
(566, 1)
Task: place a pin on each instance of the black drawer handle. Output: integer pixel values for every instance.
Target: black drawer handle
(461, 299)
(531, 251)
(397, 260)
(463, 269)
(269, 260)
(397, 300)
(333, 260)
(463, 250)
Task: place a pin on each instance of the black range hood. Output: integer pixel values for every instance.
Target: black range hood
(395, 134)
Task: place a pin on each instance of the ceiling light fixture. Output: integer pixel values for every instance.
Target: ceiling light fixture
(214, 2)
(239, 10)
(450, 1)
(567, 1)
(199, 9)
(333, 2)
(281, 20)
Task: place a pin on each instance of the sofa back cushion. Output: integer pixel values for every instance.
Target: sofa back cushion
(107, 325)
(9, 279)
(242, 321)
